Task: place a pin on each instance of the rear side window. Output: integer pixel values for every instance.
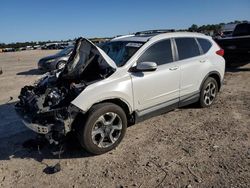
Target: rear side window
(160, 53)
(187, 48)
(205, 44)
(242, 29)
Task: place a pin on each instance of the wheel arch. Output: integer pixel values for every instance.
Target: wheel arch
(59, 61)
(119, 102)
(216, 76)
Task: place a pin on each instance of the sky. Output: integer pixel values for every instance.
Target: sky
(31, 20)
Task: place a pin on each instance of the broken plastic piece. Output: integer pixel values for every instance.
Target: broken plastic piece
(52, 169)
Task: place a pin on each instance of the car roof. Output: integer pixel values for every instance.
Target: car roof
(147, 37)
(133, 38)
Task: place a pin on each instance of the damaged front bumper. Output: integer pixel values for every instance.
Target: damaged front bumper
(61, 125)
(52, 122)
(38, 128)
(55, 131)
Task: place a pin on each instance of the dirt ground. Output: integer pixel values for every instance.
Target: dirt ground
(188, 147)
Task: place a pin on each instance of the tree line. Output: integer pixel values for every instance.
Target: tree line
(193, 28)
(212, 27)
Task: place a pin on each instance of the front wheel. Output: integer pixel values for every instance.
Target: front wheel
(60, 64)
(209, 92)
(103, 129)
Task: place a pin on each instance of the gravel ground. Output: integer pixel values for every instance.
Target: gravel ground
(188, 147)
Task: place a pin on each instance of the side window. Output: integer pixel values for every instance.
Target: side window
(205, 44)
(160, 53)
(187, 48)
(242, 29)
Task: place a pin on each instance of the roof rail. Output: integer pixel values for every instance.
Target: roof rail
(121, 36)
(157, 31)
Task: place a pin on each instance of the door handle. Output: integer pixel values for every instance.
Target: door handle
(203, 61)
(173, 68)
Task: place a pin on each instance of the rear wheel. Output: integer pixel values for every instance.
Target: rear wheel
(208, 92)
(103, 129)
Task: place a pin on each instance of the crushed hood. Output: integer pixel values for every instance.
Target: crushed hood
(85, 53)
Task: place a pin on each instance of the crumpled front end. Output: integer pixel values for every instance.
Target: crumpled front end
(46, 106)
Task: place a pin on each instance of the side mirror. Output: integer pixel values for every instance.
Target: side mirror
(146, 66)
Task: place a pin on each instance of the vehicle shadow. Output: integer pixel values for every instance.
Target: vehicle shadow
(191, 106)
(31, 72)
(13, 134)
(237, 69)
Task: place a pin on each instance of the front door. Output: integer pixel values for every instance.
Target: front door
(159, 87)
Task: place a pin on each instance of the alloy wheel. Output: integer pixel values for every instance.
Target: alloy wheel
(209, 93)
(107, 130)
(60, 65)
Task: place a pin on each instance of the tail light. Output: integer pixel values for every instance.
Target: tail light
(220, 52)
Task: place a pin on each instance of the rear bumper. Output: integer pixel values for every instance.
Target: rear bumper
(43, 66)
(237, 56)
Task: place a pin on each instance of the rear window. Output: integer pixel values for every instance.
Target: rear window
(205, 44)
(242, 29)
(187, 48)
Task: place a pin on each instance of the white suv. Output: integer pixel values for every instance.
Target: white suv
(104, 89)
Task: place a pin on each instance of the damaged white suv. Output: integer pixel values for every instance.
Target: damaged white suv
(104, 89)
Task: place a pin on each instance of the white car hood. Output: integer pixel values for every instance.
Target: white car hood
(83, 54)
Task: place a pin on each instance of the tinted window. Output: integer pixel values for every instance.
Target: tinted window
(160, 53)
(242, 29)
(187, 47)
(66, 50)
(205, 44)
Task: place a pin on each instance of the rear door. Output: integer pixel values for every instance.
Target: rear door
(192, 65)
(161, 86)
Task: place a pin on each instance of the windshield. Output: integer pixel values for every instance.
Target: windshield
(65, 51)
(121, 51)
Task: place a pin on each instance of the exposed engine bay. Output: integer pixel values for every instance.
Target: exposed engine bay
(46, 106)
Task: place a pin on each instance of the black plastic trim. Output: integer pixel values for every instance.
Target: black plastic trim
(166, 106)
(142, 117)
(189, 99)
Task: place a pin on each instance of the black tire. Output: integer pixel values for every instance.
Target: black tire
(60, 63)
(87, 127)
(208, 98)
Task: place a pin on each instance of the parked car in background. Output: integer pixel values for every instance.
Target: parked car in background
(29, 48)
(8, 50)
(56, 61)
(227, 30)
(50, 46)
(37, 47)
(129, 79)
(62, 45)
(57, 45)
(237, 46)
